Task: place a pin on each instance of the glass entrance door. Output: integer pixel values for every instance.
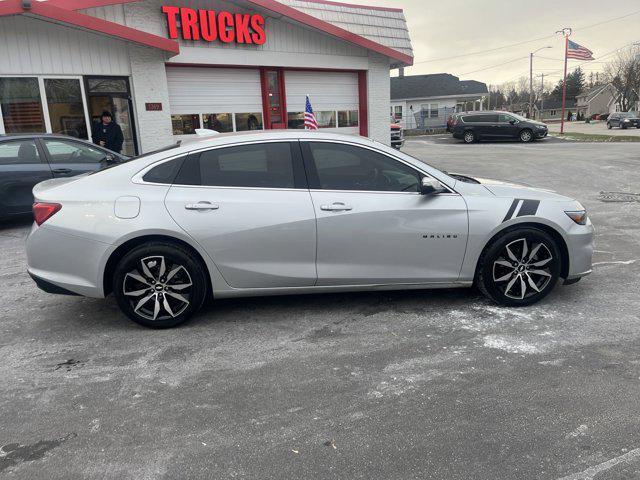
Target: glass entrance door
(113, 94)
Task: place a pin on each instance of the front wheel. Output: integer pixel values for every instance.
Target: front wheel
(526, 136)
(469, 137)
(608, 125)
(519, 268)
(159, 285)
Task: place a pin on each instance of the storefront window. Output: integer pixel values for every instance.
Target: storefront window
(66, 109)
(326, 119)
(220, 122)
(295, 120)
(348, 118)
(21, 105)
(248, 121)
(185, 124)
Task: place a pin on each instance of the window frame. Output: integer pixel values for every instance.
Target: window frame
(191, 164)
(314, 181)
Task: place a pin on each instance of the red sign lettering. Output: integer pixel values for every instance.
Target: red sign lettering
(210, 25)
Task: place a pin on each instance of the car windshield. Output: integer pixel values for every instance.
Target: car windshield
(519, 117)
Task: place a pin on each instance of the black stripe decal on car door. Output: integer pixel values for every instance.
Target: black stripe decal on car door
(529, 207)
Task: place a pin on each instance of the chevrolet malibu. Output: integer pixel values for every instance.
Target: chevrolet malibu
(295, 212)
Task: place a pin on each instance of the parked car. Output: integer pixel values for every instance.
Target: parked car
(28, 159)
(451, 121)
(397, 136)
(475, 126)
(623, 120)
(286, 212)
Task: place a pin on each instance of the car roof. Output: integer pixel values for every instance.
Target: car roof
(13, 136)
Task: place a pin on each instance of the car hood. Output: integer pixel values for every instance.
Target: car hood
(501, 188)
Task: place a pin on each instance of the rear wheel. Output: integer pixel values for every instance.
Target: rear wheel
(526, 135)
(519, 268)
(159, 285)
(469, 137)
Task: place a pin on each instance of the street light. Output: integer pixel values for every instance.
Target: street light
(531, 80)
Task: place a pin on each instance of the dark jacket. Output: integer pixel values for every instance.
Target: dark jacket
(110, 134)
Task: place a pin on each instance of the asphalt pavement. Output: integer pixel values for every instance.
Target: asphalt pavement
(400, 385)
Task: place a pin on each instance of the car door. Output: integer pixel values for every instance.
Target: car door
(488, 125)
(22, 166)
(508, 126)
(374, 227)
(69, 157)
(250, 208)
(614, 120)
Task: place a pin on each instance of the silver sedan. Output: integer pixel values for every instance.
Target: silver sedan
(295, 212)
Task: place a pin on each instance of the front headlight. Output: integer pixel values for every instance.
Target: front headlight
(578, 216)
(626, 120)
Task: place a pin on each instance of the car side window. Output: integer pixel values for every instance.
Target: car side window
(164, 173)
(64, 151)
(264, 165)
(502, 118)
(15, 152)
(347, 167)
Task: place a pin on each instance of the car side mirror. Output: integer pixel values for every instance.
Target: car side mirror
(430, 186)
(512, 122)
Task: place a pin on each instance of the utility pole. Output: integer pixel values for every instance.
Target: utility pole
(531, 80)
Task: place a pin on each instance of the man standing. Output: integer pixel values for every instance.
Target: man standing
(108, 134)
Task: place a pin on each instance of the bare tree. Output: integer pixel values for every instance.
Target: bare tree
(624, 74)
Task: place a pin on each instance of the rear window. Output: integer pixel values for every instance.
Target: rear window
(164, 173)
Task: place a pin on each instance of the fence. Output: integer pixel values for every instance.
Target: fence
(426, 119)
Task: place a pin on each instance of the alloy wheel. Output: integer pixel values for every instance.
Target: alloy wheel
(523, 270)
(526, 136)
(469, 137)
(158, 289)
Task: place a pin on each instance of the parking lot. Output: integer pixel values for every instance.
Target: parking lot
(594, 128)
(388, 385)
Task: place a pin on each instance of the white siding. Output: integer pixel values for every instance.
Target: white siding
(32, 46)
(214, 90)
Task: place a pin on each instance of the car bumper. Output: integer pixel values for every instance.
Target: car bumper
(397, 142)
(63, 263)
(541, 133)
(580, 246)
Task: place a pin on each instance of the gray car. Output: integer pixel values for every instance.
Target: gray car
(28, 159)
(288, 212)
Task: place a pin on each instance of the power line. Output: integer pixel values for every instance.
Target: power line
(493, 66)
(525, 41)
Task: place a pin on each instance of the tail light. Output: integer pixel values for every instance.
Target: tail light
(44, 211)
(455, 121)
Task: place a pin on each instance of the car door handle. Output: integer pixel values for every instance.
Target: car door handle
(336, 207)
(61, 170)
(201, 206)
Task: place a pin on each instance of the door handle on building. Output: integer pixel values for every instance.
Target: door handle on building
(201, 206)
(336, 207)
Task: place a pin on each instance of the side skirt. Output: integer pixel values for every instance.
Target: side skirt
(259, 292)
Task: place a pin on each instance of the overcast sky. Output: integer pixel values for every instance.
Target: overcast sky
(442, 29)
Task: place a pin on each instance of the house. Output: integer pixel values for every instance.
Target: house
(551, 109)
(614, 105)
(427, 101)
(596, 100)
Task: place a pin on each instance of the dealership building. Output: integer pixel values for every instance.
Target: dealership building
(165, 68)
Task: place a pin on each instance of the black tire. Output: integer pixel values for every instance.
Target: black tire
(526, 135)
(469, 137)
(493, 280)
(623, 126)
(608, 125)
(166, 288)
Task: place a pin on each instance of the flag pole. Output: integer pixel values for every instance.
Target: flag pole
(566, 32)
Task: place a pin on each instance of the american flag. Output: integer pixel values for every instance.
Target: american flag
(310, 122)
(578, 52)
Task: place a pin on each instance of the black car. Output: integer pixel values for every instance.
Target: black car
(474, 126)
(28, 159)
(623, 120)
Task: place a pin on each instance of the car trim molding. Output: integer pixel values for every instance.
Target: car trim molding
(521, 207)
